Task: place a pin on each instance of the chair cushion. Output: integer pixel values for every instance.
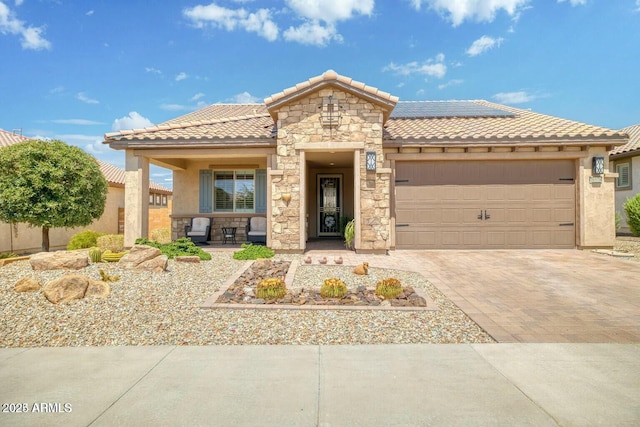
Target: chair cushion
(257, 233)
(258, 223)
(199, 225)
(196, 233)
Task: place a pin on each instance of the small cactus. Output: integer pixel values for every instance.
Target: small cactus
(109, 256)
(105, 277)
(273, 288)
(333, 288)
(389, 288)
(95, 254)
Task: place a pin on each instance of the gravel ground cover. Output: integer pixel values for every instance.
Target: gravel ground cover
(629, 244)
(163, 309)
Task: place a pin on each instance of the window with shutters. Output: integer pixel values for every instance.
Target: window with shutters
(624, 176)
(234, 191)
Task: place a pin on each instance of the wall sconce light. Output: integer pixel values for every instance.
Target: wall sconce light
(598, 165)
(371, 161)
(286, 197)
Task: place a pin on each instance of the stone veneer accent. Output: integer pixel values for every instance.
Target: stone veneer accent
(300, 123)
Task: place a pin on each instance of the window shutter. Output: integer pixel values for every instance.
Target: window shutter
(261, 191)
(623, 175)
(206, 191)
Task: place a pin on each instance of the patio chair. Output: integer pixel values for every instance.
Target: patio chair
(257, 230)
(199, 230)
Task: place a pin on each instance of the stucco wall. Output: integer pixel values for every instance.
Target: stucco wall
(623, 195)
(29, 239)
(596, 219)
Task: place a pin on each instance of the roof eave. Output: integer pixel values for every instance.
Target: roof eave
(244, 142)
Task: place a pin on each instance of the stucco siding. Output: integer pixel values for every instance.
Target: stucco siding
(623, 195)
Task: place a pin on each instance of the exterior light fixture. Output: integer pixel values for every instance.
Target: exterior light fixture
(286, 197)
(371, 161)
(598, 165)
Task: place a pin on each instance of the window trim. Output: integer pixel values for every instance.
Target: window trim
(628, 184)
(235, 172)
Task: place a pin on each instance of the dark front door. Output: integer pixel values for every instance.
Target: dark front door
(329, 204)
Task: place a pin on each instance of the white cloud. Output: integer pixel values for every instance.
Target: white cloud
(483, 44)
(31, 36)
(519, 97)
(132, 121)
(244, 98)
(19, 2)
(176, 107)
(313, 33)
(331, 10)
(90, 143)
(181, 76)
(459, 11)
(197, 96)
(57, 89)
(152, 70)
(574, 2)
(258, 22)
(84, 98)
(89, 13)
(433, 67)
(454, 82)
(80, 122)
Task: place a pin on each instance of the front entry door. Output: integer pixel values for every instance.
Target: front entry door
(329, 204)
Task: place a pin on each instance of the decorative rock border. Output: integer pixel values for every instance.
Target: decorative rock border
(211, 303)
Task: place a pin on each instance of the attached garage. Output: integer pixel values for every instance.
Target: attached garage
(485, 204)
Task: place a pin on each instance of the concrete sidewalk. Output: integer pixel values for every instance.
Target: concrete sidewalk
(390, 385)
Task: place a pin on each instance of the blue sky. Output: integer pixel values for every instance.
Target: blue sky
(73, 70)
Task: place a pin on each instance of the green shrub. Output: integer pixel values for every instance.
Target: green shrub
(333, 288)
(181, 247)
(350, 233)
(271, 289)
(84, 239)
(161, 235)
(389, 288)
(112, 242)
(250, 251)
(618, 220)
(6, 255)
(632, 209)
(105, 277)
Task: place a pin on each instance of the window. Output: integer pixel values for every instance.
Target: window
(164, 200)
(151, 198)
(624, 175)
(234, 191)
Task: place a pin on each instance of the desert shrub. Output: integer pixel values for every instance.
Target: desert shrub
(618, 220)
(105, 277)
(95, 254)
(84, 239)
(112, 242)
(181, 247)
(6, 255)
(632, 209)
(273, 288)
(389, 288)
(333, 288)
(250, 251)
(161, 235)
(350, 233)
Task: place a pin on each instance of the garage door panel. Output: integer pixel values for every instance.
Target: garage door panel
(526, 207)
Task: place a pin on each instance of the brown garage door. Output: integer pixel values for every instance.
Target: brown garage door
(485, 204)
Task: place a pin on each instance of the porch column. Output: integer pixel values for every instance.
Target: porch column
(357, 241)
(136, 198)
(303, 203)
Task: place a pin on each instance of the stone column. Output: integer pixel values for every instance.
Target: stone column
(136, 195)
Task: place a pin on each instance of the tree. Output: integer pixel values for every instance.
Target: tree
(50, 184)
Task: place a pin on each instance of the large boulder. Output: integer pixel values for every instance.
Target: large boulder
(26, 284)
(142, 257)
(60, 260)
(74, 286)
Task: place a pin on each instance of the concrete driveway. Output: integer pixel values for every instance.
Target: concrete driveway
(538, 295)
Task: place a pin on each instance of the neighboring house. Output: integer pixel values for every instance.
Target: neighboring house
(441, 174)
(23, 238)
(625, 161)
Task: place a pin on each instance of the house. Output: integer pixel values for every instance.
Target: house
(625, 161)
(23, 238)
(413, 175)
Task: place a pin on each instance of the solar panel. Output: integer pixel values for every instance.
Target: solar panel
(442, 109)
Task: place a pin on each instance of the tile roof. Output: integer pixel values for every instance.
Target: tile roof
(520, 125)
(10, 138)
(632, 145)
(115, 177)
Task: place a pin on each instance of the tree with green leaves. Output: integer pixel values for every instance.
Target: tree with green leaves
(50, 184)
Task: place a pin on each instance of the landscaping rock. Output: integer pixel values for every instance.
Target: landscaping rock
(97, 289)
(27, 284)
(66, 288)
(139, 257)
(59, 260)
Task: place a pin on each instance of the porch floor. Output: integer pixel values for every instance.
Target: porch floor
(316, 244)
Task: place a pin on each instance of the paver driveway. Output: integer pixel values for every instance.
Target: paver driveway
(539, 295)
